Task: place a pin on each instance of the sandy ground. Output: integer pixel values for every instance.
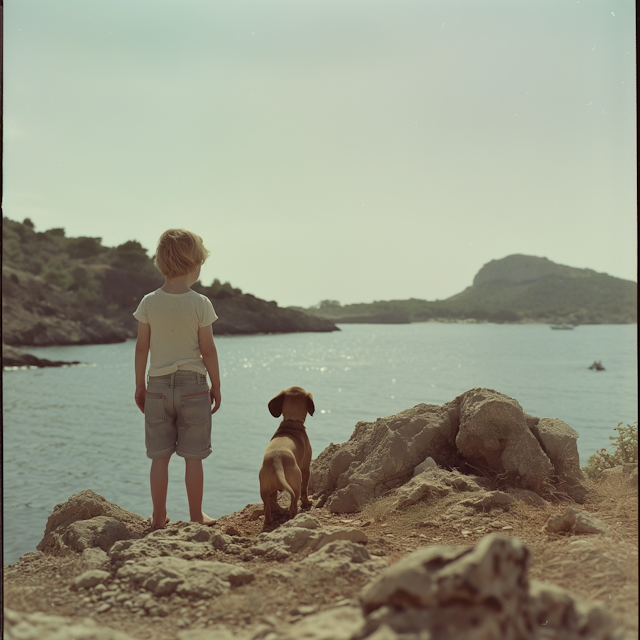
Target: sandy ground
(592, 567)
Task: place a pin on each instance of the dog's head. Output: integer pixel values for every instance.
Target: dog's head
(293, 404)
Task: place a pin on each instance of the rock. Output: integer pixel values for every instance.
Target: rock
(383, 455)
(180, 540)
(100, 531)
(37, 626)
(481, 429)
(575, 521)
(12, 357)
(494, 435)
(429, 463)
(526, 496)
(343, 556)
(217, 633)
(90, 579)
(84, 506)
(560, 442)
(289, 538)
(419, 488)
(256, 513)
(456, 593)
(490, 500)
(190, 578)
(433, 482)
(495, 570)
(558, 610)
(94, 558)
(341, 623)
(304, 610)
(303, 520)
(231, 531)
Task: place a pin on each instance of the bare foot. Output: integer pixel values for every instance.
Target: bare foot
(205, 520)
(157, 526)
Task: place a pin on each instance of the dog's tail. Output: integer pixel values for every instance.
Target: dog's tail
(279, 469)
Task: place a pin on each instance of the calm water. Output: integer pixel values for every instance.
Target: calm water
(78, 428)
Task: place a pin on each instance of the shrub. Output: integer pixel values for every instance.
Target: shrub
(626, 451)
(56, 275)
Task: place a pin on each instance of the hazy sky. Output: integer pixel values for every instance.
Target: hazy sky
(345, 149)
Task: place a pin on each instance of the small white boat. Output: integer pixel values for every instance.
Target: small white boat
(562, 326)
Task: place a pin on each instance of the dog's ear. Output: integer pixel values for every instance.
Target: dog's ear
(310, 406)
(275, 405)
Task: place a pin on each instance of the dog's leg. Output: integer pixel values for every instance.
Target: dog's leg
(295, 481)
(266, 500)
(303, 488)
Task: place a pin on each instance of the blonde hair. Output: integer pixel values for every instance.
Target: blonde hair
(179, 252)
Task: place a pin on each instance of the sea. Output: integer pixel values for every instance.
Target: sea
(77, 427)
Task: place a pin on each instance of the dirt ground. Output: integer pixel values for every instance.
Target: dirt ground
(592, 567)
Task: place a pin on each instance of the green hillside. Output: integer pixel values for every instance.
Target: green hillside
(515, 289)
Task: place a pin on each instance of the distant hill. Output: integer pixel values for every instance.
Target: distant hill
(59, 290)
(517, 288)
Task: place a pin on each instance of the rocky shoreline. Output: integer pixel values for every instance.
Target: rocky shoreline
(14, 358)
(441, 522)
(36, 313)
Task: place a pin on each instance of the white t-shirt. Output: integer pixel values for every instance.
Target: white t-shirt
(175, 319)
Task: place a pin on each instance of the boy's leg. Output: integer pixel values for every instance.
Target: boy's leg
(194, 481)
(159, 478)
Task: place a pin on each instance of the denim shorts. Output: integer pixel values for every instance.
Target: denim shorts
(177, 416)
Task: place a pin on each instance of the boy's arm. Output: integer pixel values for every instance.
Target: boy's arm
(142, 354)
(210, 359)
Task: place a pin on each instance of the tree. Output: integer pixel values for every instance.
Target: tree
(84, 247)
(131, 254)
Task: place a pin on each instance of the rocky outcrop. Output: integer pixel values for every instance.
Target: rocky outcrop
(559, 441)
(484, 592)
(39, 314)
(88, 520)
(383, 454)
(12, 357)
(494, 436)
(36, 313)
(481, 431)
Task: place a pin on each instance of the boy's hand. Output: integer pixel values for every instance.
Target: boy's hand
(214, 394)
(141, 394)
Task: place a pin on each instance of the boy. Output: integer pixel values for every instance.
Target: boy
(174, 324)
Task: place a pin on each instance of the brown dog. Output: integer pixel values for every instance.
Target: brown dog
(286, 461)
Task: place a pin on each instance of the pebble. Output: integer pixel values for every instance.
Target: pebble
(105, 606)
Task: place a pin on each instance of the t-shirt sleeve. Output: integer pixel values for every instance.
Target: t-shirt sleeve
(207, 314)
(140, 314)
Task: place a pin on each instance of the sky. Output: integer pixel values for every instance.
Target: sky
(352, 150)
